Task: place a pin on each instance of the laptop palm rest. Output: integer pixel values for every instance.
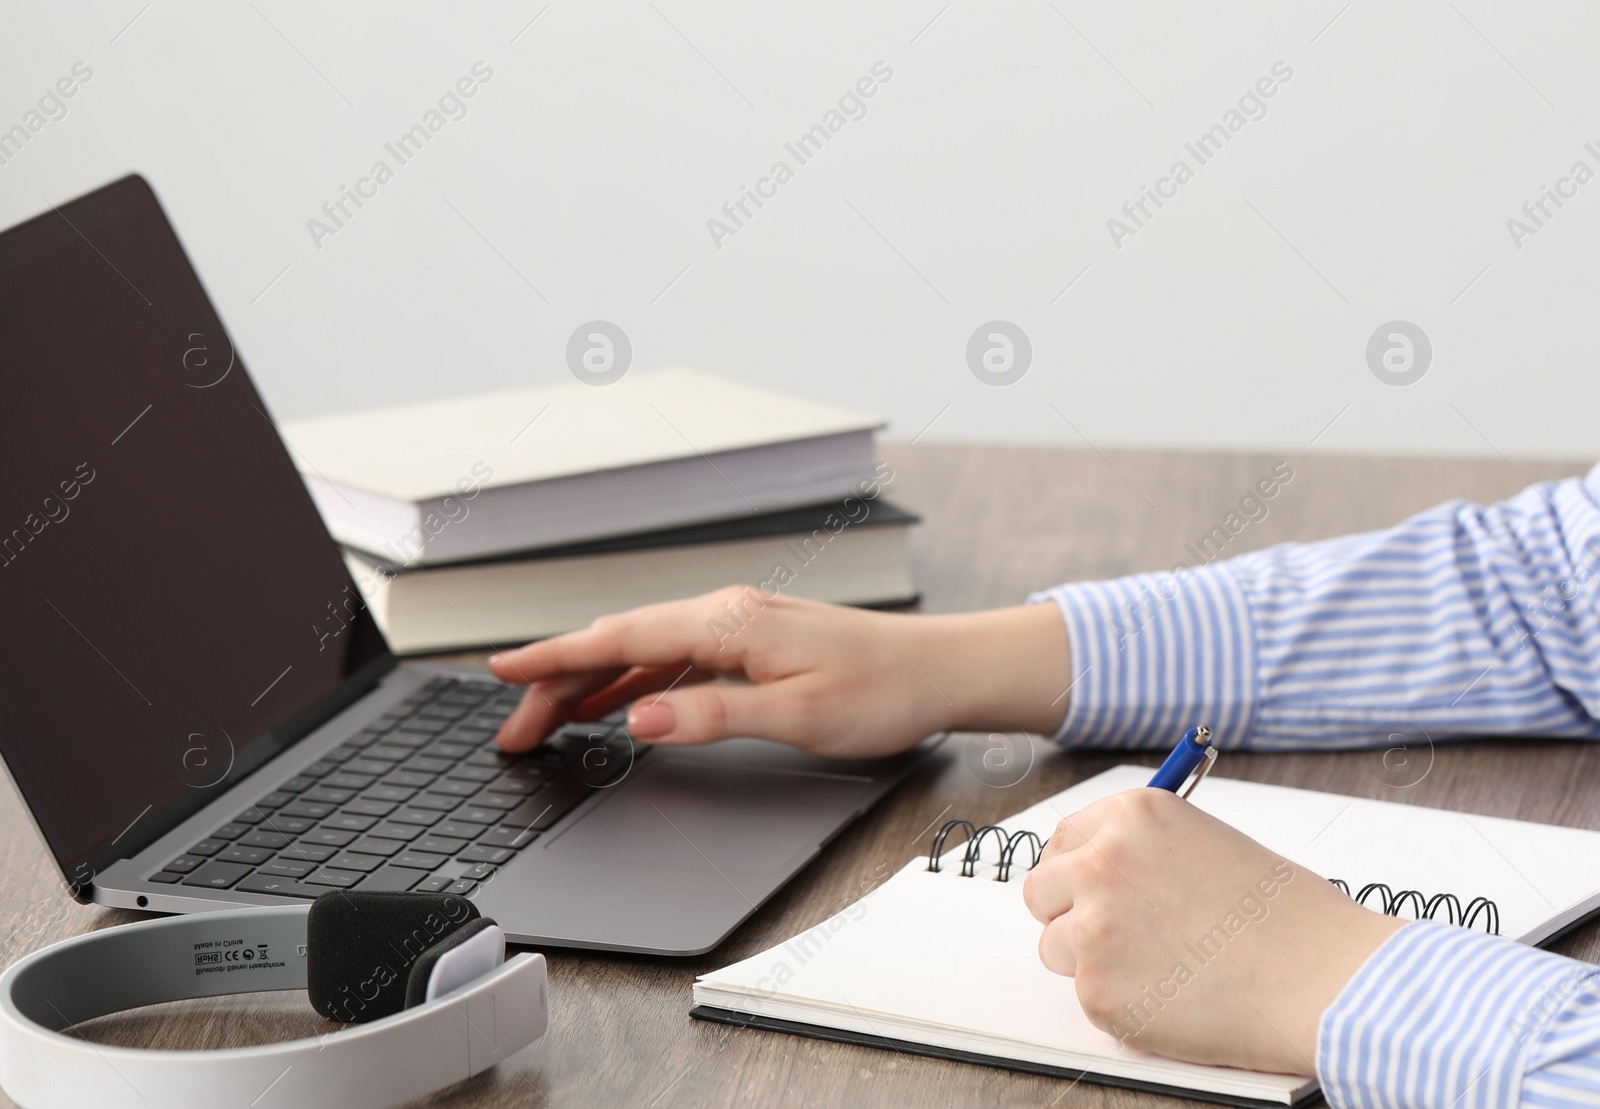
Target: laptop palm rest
(680, 852)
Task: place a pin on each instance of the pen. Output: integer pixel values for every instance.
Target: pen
(1190, 761)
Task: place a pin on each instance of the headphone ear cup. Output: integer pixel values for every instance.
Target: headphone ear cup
(360, 947)
(472, 958)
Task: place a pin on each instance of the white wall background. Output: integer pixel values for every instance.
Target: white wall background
(977, 187)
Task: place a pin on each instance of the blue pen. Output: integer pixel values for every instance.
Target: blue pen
(1193, 756)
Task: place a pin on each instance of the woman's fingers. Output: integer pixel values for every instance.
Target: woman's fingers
(1047, 890)
(546, 705)
(678, 632)
(706, 713)
(636, 683)
(1056, 949)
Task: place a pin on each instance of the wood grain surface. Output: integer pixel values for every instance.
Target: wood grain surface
(999, 522)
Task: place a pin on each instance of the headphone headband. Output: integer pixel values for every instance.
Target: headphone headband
(368, 1066)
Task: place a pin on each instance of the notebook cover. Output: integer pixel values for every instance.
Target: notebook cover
(788, 521)
(910, 1047)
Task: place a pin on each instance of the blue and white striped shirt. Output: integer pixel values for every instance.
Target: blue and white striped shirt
(1464, 620)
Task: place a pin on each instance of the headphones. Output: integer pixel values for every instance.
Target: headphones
(423, 976)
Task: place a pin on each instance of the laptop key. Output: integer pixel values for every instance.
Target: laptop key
(370, 845)
(388, 752)
(416, 815)
(287, 825)
(473, 774)
(457, 829)
(319, 768)
(217, 875)
(230, 831)
(287, 868)
(366, 806)
(478, 872)
(346, 780)
(397, 794)
(309, 810)
(278, 886)
(463, 887)
(442, 845)
(344, 860)
(183, 864)
(407, 779)
(252, 855)
(297, 784)
(420, 860)
(455, 789)
(324, 795)
(208, 847)
(531, 771)
(166, 878)
(251, 815)
(426, 764)
(327, 837)
(507, 836)
(406, 741)
(275, 800)
(391, 880)
(480, 853)
(261, 838)
(518, 787)
(501, 801)
(438, 802)
(396, 829)
(310, 852)
(476, 814)
(437, 884)
(364, 765)
(349, 822)
(548, 805)
(339, 879)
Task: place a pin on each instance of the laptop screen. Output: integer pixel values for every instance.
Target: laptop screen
(172, 608)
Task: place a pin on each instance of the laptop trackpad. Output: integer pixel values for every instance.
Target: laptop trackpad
(688, 844)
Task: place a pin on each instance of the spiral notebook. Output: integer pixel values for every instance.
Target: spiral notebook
(944, 962)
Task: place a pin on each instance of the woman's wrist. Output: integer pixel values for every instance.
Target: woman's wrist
(1003, 669)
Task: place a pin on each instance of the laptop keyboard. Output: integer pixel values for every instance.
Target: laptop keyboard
(421, 799)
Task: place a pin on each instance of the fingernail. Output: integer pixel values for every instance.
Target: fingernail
(652, 720)
(494, 660)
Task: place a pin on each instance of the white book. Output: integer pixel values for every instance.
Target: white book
(944, 964)
(857, 555)
(493, 473)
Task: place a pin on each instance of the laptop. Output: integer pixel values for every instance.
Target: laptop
(199, 712)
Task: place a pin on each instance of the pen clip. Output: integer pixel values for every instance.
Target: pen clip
(1200, 772)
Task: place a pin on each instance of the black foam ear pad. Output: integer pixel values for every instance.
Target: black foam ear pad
(360, 948)
(422, 969)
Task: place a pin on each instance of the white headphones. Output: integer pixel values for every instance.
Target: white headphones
(426, 974)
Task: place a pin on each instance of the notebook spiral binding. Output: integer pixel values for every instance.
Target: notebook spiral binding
(1423, 907)
(1008, 844)
(1388, 901)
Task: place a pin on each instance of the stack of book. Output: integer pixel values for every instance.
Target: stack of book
(492, 519)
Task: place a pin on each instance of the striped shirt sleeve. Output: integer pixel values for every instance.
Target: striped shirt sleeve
(1441, 1016)
(1463, 620)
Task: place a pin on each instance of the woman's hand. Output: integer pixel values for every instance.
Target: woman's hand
(828, 679)
(1186, 938)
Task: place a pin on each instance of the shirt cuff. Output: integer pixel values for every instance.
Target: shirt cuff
(1155, 654)
(1442, 1016)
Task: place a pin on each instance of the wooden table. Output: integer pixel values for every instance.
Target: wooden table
(999, 523)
